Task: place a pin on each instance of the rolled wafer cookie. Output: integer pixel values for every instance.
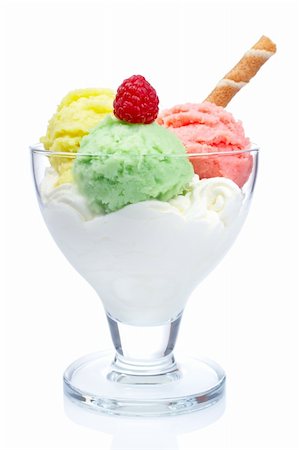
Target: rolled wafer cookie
(242, 73)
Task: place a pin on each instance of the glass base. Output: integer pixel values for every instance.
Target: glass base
(197, 384)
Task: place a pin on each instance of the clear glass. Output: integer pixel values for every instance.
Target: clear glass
(144, 260)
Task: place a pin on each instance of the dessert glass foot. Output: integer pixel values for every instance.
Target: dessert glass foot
(200, 385)
(144, 260)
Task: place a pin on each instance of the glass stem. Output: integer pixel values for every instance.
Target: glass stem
(144, 354)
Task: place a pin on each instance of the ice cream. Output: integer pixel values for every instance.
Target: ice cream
(120, 163)
(76, 115)
(145, 259)
(207, 128)
(139, 215)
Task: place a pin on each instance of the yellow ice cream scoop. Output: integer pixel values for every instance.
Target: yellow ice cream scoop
(76, 115)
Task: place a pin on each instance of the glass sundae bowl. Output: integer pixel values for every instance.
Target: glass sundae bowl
(144, 259)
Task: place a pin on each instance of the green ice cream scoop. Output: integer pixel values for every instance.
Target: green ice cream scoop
(119, 163)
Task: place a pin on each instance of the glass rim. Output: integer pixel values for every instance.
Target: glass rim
(39, 149)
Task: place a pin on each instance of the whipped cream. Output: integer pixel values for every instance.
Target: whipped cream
(145, 259)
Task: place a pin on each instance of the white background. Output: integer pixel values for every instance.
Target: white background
(245, 314)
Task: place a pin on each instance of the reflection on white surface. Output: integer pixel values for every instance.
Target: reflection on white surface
(144, 434)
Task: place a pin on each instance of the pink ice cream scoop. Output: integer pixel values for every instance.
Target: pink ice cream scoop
(206, 128)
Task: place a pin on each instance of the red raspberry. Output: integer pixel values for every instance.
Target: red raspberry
(136, 101)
